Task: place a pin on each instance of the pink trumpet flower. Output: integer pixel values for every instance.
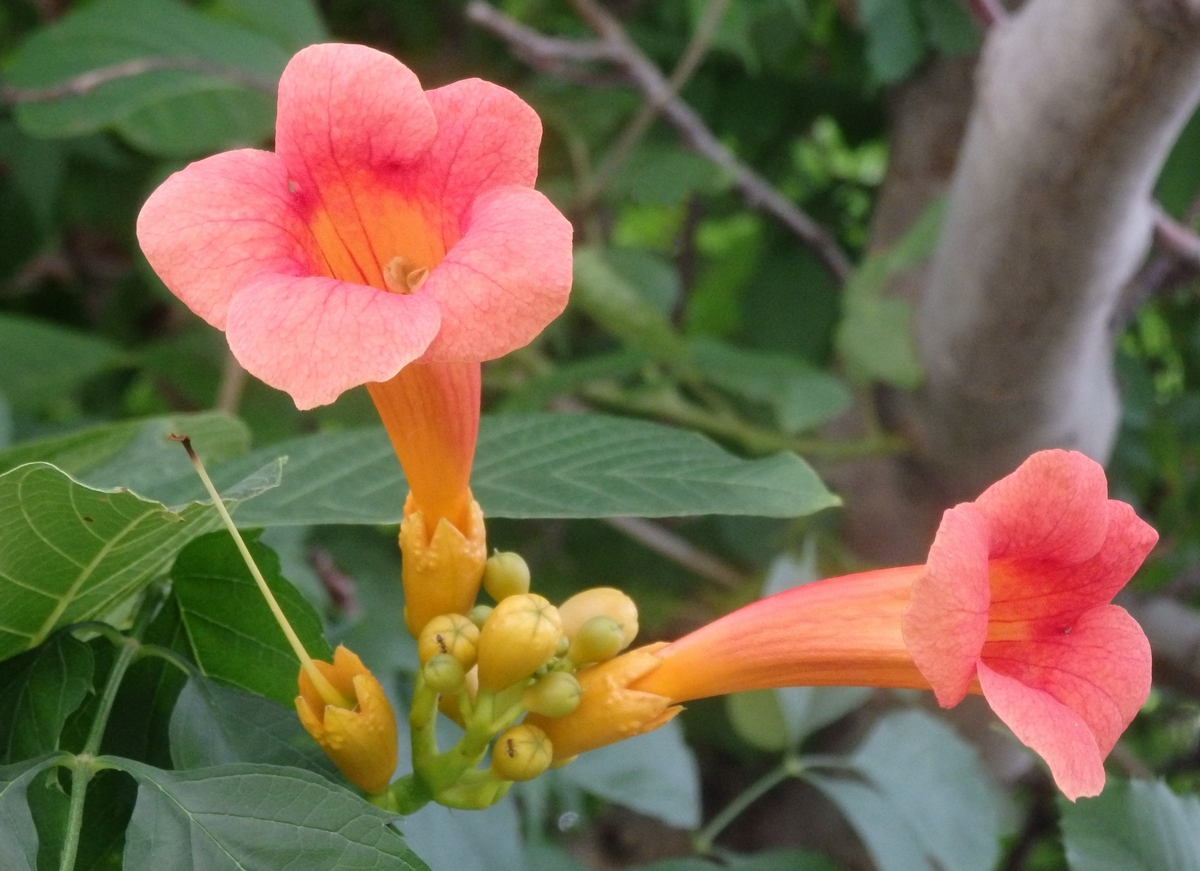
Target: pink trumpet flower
(1013, 602)
(391, 226)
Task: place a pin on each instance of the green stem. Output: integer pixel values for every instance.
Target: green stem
(703, 840)
(84, 766)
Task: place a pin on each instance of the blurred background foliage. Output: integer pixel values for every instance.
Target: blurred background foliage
(691, 306)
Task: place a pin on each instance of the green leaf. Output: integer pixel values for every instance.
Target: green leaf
(922, 800)
(537, 393)
(256, 817)
(874, 337)
(663, 174)
(802, 397)
(43, 362)
(617, 305)
(217, 94)
(654, 774)
(232, 632)
(537, 465)
(137, 455)
(950, 27)
(449, 840)
(38, 691)
(293, 24)
(69, 553)
(895, 43)
(219, 725)
(1137, 825)
(771, 860)
(18, 836)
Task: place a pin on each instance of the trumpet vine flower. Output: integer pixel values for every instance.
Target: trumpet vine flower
(1014, 602)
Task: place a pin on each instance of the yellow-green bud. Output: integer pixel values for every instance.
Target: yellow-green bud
(450, 633)
(597, 602)
(564, 644)
(444, 674)
(521, 753)
(553, 695)
(597, 640)
(479, 614)
(505, 574)
(518, 638)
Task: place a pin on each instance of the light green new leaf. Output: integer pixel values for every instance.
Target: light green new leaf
(247, 817)
(1137, 825)
(875, 337)
(70, 553)
(206, 83)
(537, 465)
(42, 362)
(233, 635)
(38, 691)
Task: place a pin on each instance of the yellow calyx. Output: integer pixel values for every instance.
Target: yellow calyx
(609, 710)
(521, 753)
(440, 572)
(360, 739)
(518, 637)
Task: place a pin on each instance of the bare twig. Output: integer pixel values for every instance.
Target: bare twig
(696, 49)
(617, 48)
(679, 550)
(85, 83)
(1178, 239)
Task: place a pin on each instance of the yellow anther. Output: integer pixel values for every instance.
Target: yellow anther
(400, 275)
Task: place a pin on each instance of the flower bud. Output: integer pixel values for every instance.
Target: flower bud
(361, 741)
(444, 674)
(521, 753)
(479, 614)
(519, 637)
(598, 639)
(609, 710)
(600, 602)
(449, 633)
(442, 568)
(553, 695)
(505, 574)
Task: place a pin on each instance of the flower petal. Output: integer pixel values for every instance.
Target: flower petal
(487, 137)
(317, 337)
(1051, 507)
(1100, 670)
(1050, 729)
(946, 624)
(345, 108)
(214, 225)
(507, 277)
(1050, 596)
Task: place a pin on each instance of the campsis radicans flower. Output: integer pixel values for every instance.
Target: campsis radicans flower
(1014, 602)
(393, 239)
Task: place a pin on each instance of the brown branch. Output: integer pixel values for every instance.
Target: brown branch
(85, 83)
(615, 47)
(1178, 240)
(679, 550)
(693, 54)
